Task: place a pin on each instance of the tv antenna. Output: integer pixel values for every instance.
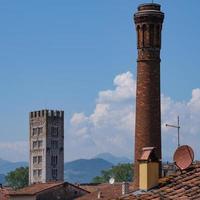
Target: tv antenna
(177, 127)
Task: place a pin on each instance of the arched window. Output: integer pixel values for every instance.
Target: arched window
(158, 36)
(138, 36)
(151, 38)
(144, 30)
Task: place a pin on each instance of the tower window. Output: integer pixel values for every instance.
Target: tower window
(54, 131)
(39, 159)
(54, 173)
(39, 172)
(34, 172)
(40, 143)
(54, 160)
(144, 30)
(138, 36)
(34, 131)
(151, 34)
(40, 130)
(37, 131)
(158, 36)
(54, 144)
(34, 144)
(34, 159)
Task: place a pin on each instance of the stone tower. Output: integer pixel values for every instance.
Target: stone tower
(46, 138)
(148, 20)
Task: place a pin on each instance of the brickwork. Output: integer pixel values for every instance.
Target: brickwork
(46, 138)
(148, 22)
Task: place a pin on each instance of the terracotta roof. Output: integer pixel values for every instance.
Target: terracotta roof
(92, 187)
(185, 186)
(35, 188)
(4, 193)
(108, 192)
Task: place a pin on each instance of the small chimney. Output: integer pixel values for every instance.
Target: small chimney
(99, 196)
(148, 169)
(125, 188)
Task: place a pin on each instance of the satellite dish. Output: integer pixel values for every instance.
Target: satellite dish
(112, 181)
(183, 157)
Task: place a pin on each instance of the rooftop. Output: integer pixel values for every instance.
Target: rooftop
(4, 192)
(108, 191)
(184, 185)
(40, 187)
(35, 188)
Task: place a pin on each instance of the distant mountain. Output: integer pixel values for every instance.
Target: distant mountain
(2, 178)
(113, 159)
(78, 171)
(7, 166)
(83, 170)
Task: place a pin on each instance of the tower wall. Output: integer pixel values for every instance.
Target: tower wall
(148, 22)
(46, 141)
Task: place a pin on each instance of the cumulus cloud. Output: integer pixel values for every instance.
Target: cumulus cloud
(124, 89)
(110, 127)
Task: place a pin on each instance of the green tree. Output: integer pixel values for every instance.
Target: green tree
(121, 172)
(18, 178)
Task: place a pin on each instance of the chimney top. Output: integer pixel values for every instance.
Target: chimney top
(149, 6)
(148, 154)
(99, 196)
(125, 188)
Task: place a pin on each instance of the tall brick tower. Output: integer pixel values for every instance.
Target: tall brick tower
(46, 138)
(148, 20)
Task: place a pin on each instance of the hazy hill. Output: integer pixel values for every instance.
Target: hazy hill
(7, 166)
(2, 178)
(84, 170)
(113, 159)
(78, 171)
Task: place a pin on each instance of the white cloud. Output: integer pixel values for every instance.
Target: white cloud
(110, 127)
(125, 89)
(78, 118)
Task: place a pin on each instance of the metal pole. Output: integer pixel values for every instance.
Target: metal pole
(178, 132)
(178, 128)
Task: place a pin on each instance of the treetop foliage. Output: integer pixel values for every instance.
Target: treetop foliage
(121, 173)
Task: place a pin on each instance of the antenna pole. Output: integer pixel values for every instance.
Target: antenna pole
(178, 128)
(178, 132)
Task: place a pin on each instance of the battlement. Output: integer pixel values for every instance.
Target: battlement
(47, 113)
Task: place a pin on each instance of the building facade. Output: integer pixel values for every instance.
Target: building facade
(148, 21)
(46, 139)
(48, 191)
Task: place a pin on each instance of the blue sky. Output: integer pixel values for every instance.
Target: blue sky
(60, 54)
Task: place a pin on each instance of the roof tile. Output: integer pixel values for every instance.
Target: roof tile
(183, 186)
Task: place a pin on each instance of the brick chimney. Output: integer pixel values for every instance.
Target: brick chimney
(148, 21)
(125, 188)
